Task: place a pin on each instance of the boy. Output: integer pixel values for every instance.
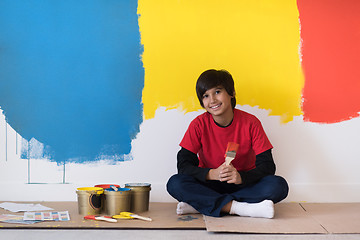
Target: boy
(204, 183)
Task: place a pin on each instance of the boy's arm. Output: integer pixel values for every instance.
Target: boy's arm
(264, 166)
(188, 163)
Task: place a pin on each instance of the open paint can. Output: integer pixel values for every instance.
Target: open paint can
(89, 200)
(105, 186)
(140, 194)
(117, 201)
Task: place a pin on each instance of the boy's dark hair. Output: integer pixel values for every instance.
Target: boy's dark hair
(214, 78)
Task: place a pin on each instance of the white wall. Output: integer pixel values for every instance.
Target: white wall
(320, 161)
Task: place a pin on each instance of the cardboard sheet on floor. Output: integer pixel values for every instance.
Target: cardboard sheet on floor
(163, 215)
(289, 218)
(336, 217)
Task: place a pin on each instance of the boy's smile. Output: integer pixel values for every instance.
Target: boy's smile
(218, 103)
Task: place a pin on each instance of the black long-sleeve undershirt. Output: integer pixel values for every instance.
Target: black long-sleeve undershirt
(188, 163)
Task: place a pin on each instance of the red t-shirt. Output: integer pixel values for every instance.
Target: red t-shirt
(209, 141)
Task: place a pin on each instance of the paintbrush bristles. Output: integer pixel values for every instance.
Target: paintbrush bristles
(231, 154)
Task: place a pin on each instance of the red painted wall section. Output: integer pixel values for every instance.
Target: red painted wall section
(330, 33)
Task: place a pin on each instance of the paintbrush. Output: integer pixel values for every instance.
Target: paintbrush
(107, 219)
(230, 152)
(133, 215)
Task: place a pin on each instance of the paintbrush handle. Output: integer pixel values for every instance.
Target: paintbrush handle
(228, 160)
(106, 219)
(141, 217)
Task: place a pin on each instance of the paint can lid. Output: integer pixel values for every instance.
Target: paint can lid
(137, 185)
(94, 190)
(104, 186)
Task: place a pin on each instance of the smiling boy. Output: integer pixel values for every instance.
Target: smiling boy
(204, 183)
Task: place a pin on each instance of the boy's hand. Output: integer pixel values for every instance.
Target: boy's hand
(229, 174)
(214, 174)
(225, 173)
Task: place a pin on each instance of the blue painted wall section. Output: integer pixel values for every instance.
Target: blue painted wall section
(71, 75)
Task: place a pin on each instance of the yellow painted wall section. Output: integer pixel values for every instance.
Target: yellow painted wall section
(256, 41)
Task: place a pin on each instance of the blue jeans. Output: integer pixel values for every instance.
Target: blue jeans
(210, 197)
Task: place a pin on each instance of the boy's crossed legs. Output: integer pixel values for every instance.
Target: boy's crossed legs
(256, 201)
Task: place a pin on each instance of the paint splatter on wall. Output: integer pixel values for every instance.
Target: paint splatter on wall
(256, 41)
(71, 75)
(330, 32)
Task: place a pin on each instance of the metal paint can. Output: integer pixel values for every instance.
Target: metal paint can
(105, 186)
(89, 200)
(140, 194)
(117, 201)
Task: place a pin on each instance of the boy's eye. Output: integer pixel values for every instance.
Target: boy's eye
(217, 91)
(205, 96)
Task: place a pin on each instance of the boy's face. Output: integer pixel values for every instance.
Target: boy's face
(217, 102)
